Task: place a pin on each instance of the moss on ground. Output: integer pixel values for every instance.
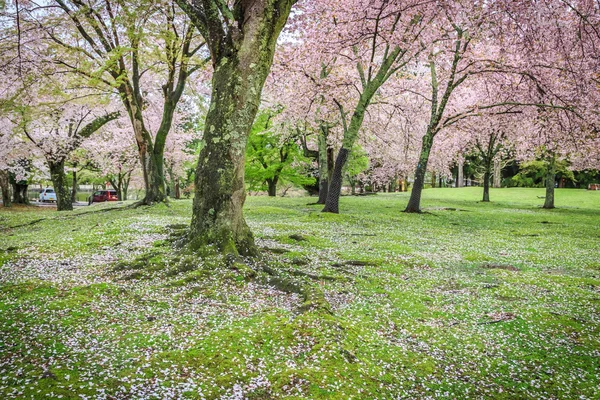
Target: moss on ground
(499, 301)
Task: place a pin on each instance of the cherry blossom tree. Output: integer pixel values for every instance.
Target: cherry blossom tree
(242, 40)
(57, 130)
(113, 153)
(131, 49)
(363, 44)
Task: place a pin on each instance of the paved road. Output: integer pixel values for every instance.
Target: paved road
(51, 204)
(40, 204)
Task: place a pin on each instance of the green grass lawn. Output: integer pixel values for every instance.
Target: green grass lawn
(467, 300)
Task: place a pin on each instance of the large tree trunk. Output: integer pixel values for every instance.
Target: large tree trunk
(323, 168)
(220, 192)
(241, 66)
(550, 180)
(59, 180)
(4, 185)
(414, 203)
(460, 180)
(242, 54)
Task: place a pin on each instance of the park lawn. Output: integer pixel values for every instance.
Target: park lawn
(466, 300)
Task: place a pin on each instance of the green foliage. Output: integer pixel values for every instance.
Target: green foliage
(533, 173)
(358, 162)
(271, 156)
(584, 178)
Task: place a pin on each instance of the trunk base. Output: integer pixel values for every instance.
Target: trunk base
(224, 242)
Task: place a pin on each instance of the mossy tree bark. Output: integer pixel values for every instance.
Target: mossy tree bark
(550, 181)
(4, 185)
(59, 181)
(242, 44)
(154, 183)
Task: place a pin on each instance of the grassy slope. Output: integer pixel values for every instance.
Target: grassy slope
(468, 300)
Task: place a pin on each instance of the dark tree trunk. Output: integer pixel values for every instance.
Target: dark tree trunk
(20, 193)
(323, 190)
(272, 183)
(4, 185)
(116, 185)
(59, 180)
(433, 180)
(414, 203)
(177, 189)
(550, 180)
(486, 186)
(330, 163)
(74, 188)
(332, 204)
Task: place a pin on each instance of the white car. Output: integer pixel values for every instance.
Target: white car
(47, 194)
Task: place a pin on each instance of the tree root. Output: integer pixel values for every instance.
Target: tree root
(296, 272)
(312, 297)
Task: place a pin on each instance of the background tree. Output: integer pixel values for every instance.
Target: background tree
(57, 130)
(134, 50)
(273, 157)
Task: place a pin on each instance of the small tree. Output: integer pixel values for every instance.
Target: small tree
(358, 162)
(57, 131)
(272, 158)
